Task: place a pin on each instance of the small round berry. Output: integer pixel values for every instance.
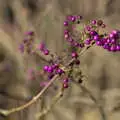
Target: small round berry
(88, 28)
(59, 71)
(70, 40)
(87, 41)
(113, 41)
(98, 43)
(76, 44)
(41, 46)
(50, 69)
(65, 23)
(65, 85)
(74, 55)
(66, 36)
(66, 31)
(66, 80)
(113, 48)
(69, 17)
(114, 32)
(73, 19)
(79, 17)
(108, 40)
(118, 47)
(46, 52)
(93, 22)
(106, 46)
(111, 35)
(54, 66)
(96, 37)
(46, 68)
(93, 33)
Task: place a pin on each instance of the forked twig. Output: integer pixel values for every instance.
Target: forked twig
(17, 109)
(55, 99)
(100, 108)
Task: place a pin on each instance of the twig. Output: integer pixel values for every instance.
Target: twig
(17, 109)
(54, 101)
(101, 110)
(8, 112)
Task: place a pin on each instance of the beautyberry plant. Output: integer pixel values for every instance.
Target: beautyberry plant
(67, 67)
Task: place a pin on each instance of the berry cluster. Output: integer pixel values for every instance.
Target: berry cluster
(107, 41)
(89, 35)
(52, 70)
(71, 20)
(112, 41)
(43, 49)
(27, 43)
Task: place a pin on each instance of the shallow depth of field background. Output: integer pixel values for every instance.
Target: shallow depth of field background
(46, 17)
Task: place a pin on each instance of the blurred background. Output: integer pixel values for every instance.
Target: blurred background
(46, 17)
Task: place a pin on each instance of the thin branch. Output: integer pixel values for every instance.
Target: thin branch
(17, 109)
(101, 110)
(8, 112)
(55, 99)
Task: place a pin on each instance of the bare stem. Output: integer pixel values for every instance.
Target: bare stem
(55, 99)
(101, 110)
(17, 109)
(8, 112)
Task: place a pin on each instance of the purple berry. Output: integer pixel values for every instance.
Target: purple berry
(114, 32)
(50, 69)
(46, 68)
(70, 40)
(59, 71)
(87, 41)
(113, 48)
(65, 85)
(96, 37)
(118, 47)
(108, 40)
(73, 19)
(66, 31)
(79, 17)
(93, 33)
(98, 43)
(65, 80)
(41, 46)
(74, 55)
(93, 22)
(65, 23)
(113, 41)
(111, 35)
(88, 28)
(66, 36)
(46, 52)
